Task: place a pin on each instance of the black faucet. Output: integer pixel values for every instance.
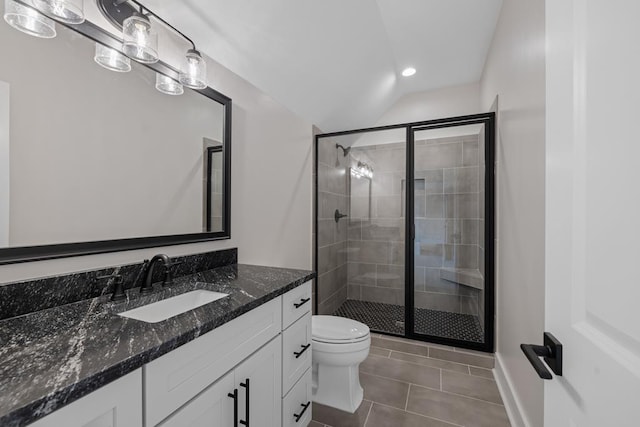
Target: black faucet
(167, 279)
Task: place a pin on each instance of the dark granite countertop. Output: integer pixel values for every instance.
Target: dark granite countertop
(52, 357)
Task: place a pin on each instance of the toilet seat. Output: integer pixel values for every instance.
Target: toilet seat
(338, 330)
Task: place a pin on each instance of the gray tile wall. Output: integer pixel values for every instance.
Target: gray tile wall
(448, 221)
(376, 227)
(332, 236)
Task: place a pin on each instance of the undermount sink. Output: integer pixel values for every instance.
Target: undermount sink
(165, 309)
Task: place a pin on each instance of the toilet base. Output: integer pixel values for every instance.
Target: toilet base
(337, 386)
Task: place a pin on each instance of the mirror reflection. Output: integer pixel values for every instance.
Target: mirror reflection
(119, 158)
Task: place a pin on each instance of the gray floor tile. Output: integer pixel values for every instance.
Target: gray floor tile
(468, 385)
(336, 418)
(384, 390)
(456, 409)
(383, 352)
(404, 347)
(466, 358)
(385, 416)
(434, 363)
(402, 371)
(481, 372)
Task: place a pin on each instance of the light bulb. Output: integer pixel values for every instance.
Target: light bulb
(28, 20)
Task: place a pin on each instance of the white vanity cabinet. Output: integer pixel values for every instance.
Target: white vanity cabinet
(296, 356)
(254, 371)
(249, 394)
(117, 404)
(180, 375)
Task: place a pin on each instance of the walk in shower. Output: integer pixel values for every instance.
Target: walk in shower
(404, 229)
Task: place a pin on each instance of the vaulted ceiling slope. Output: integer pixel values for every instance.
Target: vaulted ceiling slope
(337, 63)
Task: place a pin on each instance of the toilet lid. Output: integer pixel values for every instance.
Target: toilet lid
(337, 329)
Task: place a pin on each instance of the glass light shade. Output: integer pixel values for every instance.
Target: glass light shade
(194, 70)
(167, 85)
(111, 59)
(140, 42)
(67, 11)
(28, 20)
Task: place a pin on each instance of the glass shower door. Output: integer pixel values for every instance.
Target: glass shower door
(449, 217)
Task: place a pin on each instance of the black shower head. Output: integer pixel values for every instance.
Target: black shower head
(345, 151)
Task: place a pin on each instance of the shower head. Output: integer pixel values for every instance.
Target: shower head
(345, 150)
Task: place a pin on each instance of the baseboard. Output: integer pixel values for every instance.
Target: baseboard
(511, 402)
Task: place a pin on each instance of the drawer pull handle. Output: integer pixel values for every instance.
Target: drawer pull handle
(234, 396)
(304, 409)
(246, 411)
(302, 302)
(299, 353)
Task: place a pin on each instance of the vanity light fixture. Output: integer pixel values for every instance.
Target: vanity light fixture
(28, 20)
(194, 70)
(408, 72)
(111, 59)
(363, 170)
(66, 11)
(167, 85)
(140, 41)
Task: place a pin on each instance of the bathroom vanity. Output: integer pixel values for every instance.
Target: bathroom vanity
(244, 359)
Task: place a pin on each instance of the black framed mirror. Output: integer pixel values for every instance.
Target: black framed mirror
(97, 161)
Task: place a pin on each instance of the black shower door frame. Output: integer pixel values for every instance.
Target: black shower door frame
(489, 120)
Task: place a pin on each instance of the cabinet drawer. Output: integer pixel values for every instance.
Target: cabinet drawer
(295, 402)
(213, 406)
(118, 404)
(175, 378)
(296, 351)
(295, 303)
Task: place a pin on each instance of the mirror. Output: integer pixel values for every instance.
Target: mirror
(93, 160)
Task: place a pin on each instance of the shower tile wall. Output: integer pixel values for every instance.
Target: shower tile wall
(376, 226)
(448, 223)
(332, 236)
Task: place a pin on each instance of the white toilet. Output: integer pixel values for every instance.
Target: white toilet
(339, 346)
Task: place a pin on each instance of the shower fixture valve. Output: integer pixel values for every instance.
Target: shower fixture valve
(337, 215)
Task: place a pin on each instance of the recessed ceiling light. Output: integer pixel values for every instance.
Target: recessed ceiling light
(408, 72)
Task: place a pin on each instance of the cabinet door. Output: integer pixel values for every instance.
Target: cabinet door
(296, 352)
(296, 406)
(259, 382)
(118, 404)
(212, 408)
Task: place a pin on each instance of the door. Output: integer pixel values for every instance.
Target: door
(451, 257)
(213, 407)
(259, 383)
(592, 211)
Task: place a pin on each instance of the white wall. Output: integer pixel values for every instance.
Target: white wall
(434, 104)
(515, 71)
(271, 189)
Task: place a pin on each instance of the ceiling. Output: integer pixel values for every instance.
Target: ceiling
(337, 63)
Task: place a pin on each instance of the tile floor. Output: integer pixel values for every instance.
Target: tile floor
(414, 384)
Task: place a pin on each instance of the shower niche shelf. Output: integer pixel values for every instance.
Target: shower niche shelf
(463, 276)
